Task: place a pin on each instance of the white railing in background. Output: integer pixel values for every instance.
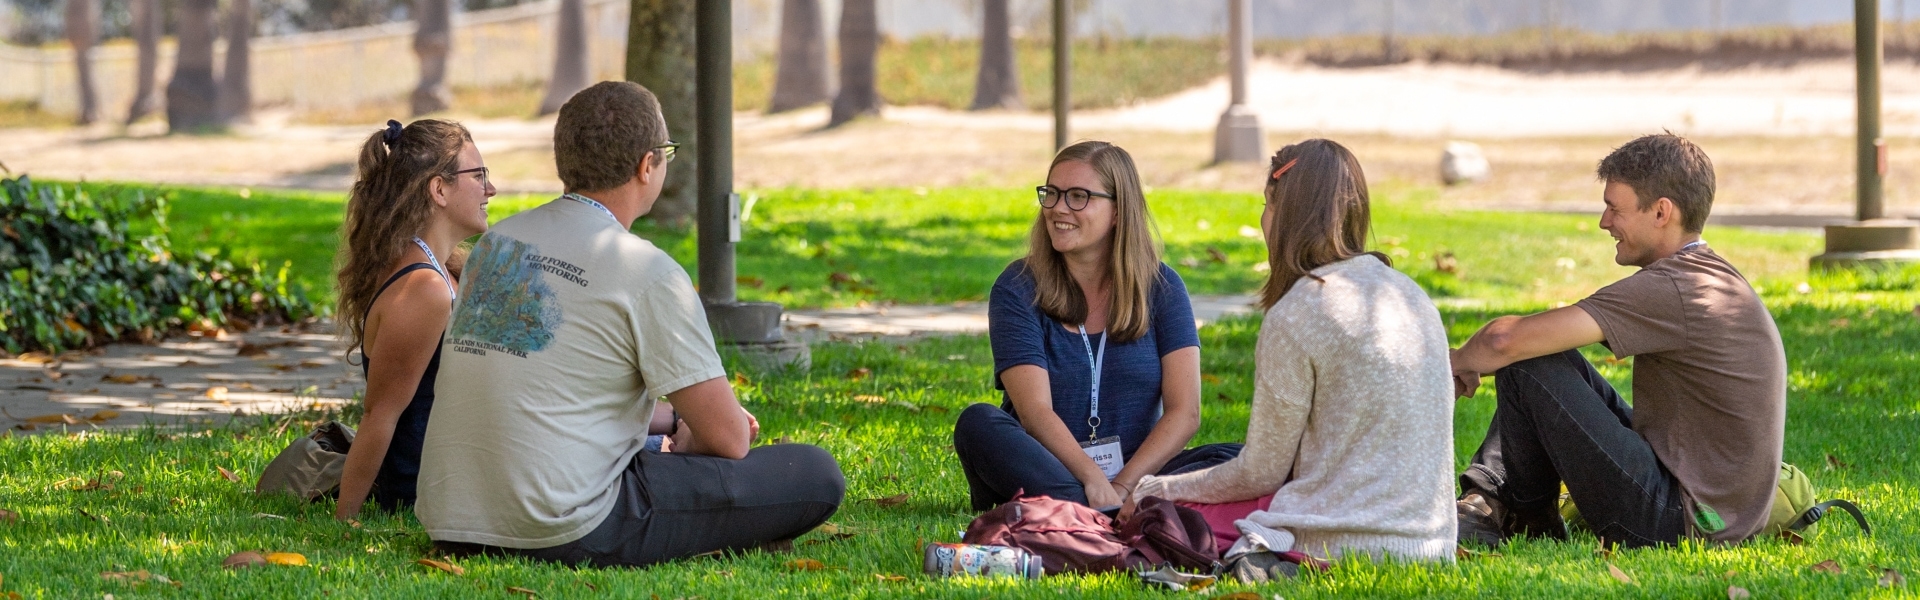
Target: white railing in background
(336, 69)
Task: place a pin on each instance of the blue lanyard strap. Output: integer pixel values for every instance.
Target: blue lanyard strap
(1096, 361)
(593, 203)
(436, 266)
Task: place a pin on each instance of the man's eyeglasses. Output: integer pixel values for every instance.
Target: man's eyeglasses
(481, 170)
(667, 151)
(1077, 198)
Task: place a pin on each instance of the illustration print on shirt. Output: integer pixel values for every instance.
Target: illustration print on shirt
(505, 304)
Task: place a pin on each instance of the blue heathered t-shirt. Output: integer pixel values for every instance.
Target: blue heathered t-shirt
(1130, 374)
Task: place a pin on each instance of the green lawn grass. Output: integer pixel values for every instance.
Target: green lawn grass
(813, 248)
(1850, 340)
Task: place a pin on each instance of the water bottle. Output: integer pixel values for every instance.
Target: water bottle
(980, 560)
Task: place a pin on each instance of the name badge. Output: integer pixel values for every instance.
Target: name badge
(1106, 453)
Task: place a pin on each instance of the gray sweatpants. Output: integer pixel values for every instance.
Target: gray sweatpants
(679, 505)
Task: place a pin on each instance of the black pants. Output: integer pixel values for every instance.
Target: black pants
(679, 505)
(1559, 421)
(1000, 459)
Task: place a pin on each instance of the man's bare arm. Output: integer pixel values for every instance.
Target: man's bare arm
(1512, 339)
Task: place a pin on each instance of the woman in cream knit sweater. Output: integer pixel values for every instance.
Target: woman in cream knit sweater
(1350, 444)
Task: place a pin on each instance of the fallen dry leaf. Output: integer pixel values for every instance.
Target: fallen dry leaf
(936, 408)
(1826, 566)
(870, 398)
(889, 577)
(805, 564)
(1210, 379)
(124, 378)
(1792, 537)
(859, 374)
(244, 559)
(103, 416)
(1729, 574)
(228, 475)
(217, 393)
(520, 590)
(1239, 596)
(9, 517)
(741, 380)
(61, 418)
(311, 364)
(828, 528)
(1214, 254)
(892, 500)
(129, 576)
(1735, 592)
(752, 282)
(1834, 462)
(1619, 574)
(1891, 578)
(286, 559)
(41, 358)
(443, 566)
(911, 407)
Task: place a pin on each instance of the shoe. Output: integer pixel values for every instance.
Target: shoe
(1482, 519)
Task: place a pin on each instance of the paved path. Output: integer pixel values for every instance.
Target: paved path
(210, 378)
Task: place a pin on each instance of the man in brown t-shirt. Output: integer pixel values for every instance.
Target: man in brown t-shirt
(1699, 451)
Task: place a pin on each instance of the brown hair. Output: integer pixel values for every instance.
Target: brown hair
(1667, 166)
(1136, 259)
(603, 133)
(1320, 213)
(388, 206)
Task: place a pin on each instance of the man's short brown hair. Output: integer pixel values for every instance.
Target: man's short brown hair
(1665, 166)
(603, 133)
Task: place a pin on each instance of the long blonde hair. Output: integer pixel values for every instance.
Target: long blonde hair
(1321, 214)
(388, 205)
(1136, 258)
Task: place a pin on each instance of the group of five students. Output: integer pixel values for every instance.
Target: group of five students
(512, 408)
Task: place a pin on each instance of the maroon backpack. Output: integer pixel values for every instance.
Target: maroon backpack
(1070, 537)
(1162, 532)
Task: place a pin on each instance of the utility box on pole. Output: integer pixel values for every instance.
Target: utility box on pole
(1871, 238)
(750, 329)
(1238, 137)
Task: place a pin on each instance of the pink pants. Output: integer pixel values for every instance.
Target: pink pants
(1221, 517)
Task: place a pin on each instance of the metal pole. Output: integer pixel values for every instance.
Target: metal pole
(713, 98)
(1871, 150)
(1062, 70)
(1239, 20)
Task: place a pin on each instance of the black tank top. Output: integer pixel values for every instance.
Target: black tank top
(394, 487)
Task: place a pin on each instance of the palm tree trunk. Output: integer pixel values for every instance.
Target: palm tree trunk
(802, 78)
(570, 72)
(193, 97)
(236, 81)
(660, 57)
(82, 24)
(432, 41)
(859, 42)
(146, 35)
(999, 83)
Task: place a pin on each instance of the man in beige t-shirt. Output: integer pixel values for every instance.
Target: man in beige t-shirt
(1698, 453)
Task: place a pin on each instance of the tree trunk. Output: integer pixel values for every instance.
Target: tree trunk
(83, 31)
(999, 83)
(431, 43)
(146, 35)
(859, 42)
(193, 97)
(660, 57)
(802, 78)
(570, 72)
(236, 80)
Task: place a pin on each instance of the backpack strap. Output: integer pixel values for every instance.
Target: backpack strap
(1815, 513)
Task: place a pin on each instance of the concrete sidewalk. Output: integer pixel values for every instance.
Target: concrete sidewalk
(210, 378)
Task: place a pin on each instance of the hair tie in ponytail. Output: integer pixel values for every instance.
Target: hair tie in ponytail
(393, 133)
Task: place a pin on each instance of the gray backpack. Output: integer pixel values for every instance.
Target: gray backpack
(310, 467)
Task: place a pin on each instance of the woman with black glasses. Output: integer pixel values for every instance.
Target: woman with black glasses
(422, 189)
(1095, 347)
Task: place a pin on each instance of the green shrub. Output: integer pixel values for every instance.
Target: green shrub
(74, 276)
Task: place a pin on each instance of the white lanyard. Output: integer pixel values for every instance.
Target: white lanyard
(435, 261)
(1096, 360)
(590, 202)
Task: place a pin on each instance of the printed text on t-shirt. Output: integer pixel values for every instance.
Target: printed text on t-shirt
(562, 268)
